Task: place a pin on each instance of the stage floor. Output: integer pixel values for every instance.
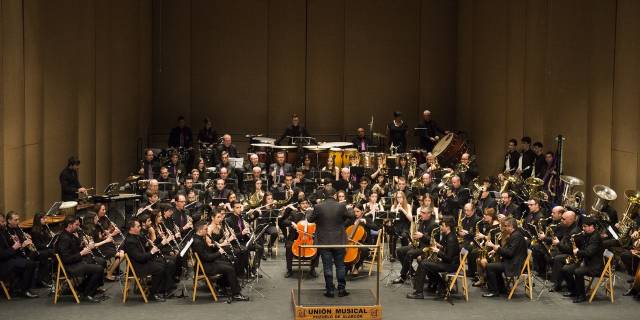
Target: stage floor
(276, 305)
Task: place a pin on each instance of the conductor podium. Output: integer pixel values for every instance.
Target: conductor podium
(359, 304)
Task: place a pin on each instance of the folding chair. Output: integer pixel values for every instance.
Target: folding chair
(372, 262)
(129, 276)
(6, 290)
(525, 272)
(606, 275)
(455, 276)
(201, 275)
(61, 275)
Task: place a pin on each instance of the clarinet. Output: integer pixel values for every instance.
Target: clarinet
(173, 243)
(236, 239)
(225, 254)
(83, 235)
(159, 253)
(87, 239)
(31, 247)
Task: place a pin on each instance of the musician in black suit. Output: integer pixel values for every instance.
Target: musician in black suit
(457, 196)
(448, 260)
(14, 261)
(148, 261)
(280, 169)
(506, 207)
(361, 141)
(242, 231)
(180, 136)
(293, 130)
(407, 254)
(79, 260)
(588, 252)
(527, 158)
(150, 168)
(512, 157)
(70, 186)
(562, 241)
(330, 217)
(214, 261)
(486, 200)
(430, 131)
(512, 251)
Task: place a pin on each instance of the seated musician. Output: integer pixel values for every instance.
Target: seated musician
(152, 201)
(330, 171)
(195, 207)
(220, 191)
(147, 259)
(361, 141)
(267, 215)
(407, 254)
(588, 260)
(279, 169)
(631, 259)
(242, 232)
(254, 161)
(42, 237)
(166, 185)
(486, 200)
(212, 255)
(225, 163)
(486, 231)
(399, 229)
(181, 135)
(175, 167)
(79, 260)
(307, 169)
(158, 232)
(381, 187)
(293, 130)
(301, 180)
(290, 192)
(290, 219)
(196, 176)
(506, 207)
(181, 216)
(366, 221)
(372, 206)
(201, 167)
(455, 199)
(467, 234)
(14, 263)
(444, 257)
(380, 169)
(150, 167)
(218, 231)
(541, 250)
(102, 240)
(469, 169)
(226, 146)
(402, 185)
(512, 250)
(562, 241)
(361, 194)
(345, 182)
(207, 135)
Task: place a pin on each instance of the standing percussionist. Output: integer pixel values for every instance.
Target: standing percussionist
(69, 184)
(361, 141)
(330, 217)
(397, 132)
(180, 136)
(293, 130)
(428, 132)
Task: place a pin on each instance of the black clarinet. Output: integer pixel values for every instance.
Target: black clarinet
(87, 238)
(173, 243)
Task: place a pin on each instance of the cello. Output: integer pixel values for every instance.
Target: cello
(305, 237)
(356, 234)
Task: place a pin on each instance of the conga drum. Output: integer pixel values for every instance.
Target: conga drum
(348, 154)
(449, 149)
(336, 155)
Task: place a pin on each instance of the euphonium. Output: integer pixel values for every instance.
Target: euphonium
(627, 222)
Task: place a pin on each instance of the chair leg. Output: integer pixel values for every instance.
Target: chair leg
(595, 289)
(465, 285)
(530, 282)
(516, 281)
(57, 290)
(6, 291)
(195, 284)
(611, 285)
(142, 292)
(211, 289)
(125, 289)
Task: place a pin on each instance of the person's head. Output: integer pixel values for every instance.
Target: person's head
(280, 158)
(373, 197)
(224, 173)
(464, 159)
(295, 120)
(267, 198)
(218, 216)
(258, 185)
(397, 115)
(73, 163)
(364, 183)
(509, 225)
(134, 227)
(538, 147)
(299, 175)
(224, 157)
(341, 196)
(153, 185)
(288, 180)
(201, 228)
(156, 217)
(226, 140)
(402, 183)
(181, 122)
(361, 132)
(425, 179)
(181, 200)
(220, 184)
(345, 173)
(400, 198)
(469, 210)
(164, 173)
(446, 225)
(195, 175)
(330, 162)
(489, 215)
(589, 225)
(557, 212)
(254, 159)
(534, 205)
(506, 198)
(3, 222)
(13, 219)
(167, 211)
(188, 183)
(100, 209)
(191, 196)
(71, 224)
(427, 200)
(425, 213)
(148, 155)
(232, 197)
(38, 220)
(152, 196)
(548, 158)
(568, 218)
(304, 204)
(329, 191)
(306, 161)
(511, 146)
(174, 157)
(402, 161)
(237, 208)
(207, 122)
(201, 164)
(456, 182)
(358, 211)
(431, 159)
(426, 115)
(145, 220)
(526, 143)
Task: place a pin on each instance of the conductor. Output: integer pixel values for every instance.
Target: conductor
(330, 217)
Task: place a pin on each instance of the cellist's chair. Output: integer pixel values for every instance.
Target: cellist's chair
(606, 275)
(6, 290)
(525, 272)
(201, 275)
(374, 255)
(61, 278)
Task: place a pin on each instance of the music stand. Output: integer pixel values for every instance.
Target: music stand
(395, 172)
(217, 201)
(112, 189)
(236, 163)
(55, 207)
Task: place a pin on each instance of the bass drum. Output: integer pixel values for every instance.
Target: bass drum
(449, 149)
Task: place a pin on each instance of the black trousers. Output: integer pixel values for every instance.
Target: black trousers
(289, 257)
(574, 274)
(557, 263)
(495, 280)
(406, 255)
(257, 258)
(431, 270)
(20, 267)
(630, 261)
(161, 272)
(45, 263)
(393, 240)
(227, 271)
(541, 258)
(91, 271)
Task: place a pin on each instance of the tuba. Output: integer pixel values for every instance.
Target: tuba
(604, 195)
(627, 223)
(570, 198)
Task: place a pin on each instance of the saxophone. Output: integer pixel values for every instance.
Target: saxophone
(429, 254)
(412, 168)
(571, 259)
(413, 228)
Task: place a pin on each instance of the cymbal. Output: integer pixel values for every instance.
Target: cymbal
(262, 145)
(284, 147)
(316, 148)
(265, 139)
(379, 135)
(338, 144)
(132, 178)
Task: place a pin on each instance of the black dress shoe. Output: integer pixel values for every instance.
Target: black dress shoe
(30, 295)
(157, 298)
(415, 295)
(313, 273)
(343, 293)
(240, 297)
(398, 280)
(92, 299)
(490, 295)
(288, 274)
(329, 294)
(568, 294)
(555, 289)
(580, 299)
